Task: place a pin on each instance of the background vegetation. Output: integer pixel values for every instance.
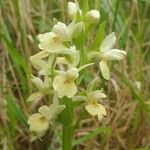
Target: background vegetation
(128, 104)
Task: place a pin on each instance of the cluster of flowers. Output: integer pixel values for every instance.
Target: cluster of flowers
(59, 64)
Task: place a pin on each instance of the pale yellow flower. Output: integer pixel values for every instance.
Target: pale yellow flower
(93, 106)
(64, 83)
(107, 53)
(51, 42)
(39, 122)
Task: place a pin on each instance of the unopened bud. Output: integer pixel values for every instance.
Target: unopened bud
(93, 16)
(72, 10)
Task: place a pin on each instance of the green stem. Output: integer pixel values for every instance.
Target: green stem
(67, 124)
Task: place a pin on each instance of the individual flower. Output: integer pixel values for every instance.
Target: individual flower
(39, 122)
(93, 106)
(64, 83)
(108, 53)
(72, 10)
(66, 33)
(50, 42)
(53, 41)
(93, 16)
(43, 87)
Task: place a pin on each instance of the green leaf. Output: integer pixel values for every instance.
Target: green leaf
(99, 36)
(14, 111)
(85, 7)
(18, 61)
(104, 130)
(19, 64)
(137, 97)
(148, 1)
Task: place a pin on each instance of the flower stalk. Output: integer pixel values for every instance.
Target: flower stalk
(67, 116)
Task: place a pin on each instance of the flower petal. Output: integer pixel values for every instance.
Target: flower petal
(47, 82)
(56, 109)
(75, 29)
(101, 109)
(45, 111)
(52, 111)
(100, 117)
(58, 85)
(37, 82)
(91, 109)
(97, 95)
(38, 63)
(95, 109)
(114, 54)
(72, 73)
(104, 69)
(61, 30)
(35, 96)
(62, 60)
(71, 90)
(108, 42)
